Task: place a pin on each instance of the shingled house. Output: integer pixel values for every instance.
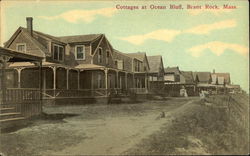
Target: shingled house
(74, 66)
(140, 69)
(156, 73)
(187, 80)
(222, 81)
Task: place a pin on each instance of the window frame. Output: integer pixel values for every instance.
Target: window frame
(19, 44)
(58, 54)
(99, 57)
(84, 52)
(107, 56)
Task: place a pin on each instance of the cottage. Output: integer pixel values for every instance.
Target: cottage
(140, 69)
(172, 74)
(156, 74)
(75, 66)
(187, 80)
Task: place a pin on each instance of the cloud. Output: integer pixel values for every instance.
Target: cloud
(207, 28)
(162, 34)
(168, 35)
(218, 48)
(82, 15)
(216, 12)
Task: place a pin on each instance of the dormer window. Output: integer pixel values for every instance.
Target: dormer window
(100, 55)
(58, 53)
(21, 47)
(80, 52)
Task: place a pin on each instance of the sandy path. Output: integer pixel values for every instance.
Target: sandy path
(115, 135)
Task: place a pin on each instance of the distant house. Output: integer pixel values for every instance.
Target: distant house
(187, 77)
(172, 74)
(156, 72)
(220, 78)
(202, 77)
(140, 69)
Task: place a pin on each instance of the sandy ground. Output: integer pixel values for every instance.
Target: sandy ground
(97, 129)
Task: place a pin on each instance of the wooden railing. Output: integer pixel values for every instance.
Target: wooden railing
(21, 94)
(60, 93)
(25, 100)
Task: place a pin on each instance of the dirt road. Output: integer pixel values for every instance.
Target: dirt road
(98, 129)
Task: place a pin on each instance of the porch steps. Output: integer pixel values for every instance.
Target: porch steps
(12, 119)
(9, 116)
(7, 110)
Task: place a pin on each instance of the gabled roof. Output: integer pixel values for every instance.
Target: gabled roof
(79, 38)
(140, 55)
(34, 40)
(174, 70)
(155, 63)
(226, 76)
(202, 76)
(117, 52)
(188, 75)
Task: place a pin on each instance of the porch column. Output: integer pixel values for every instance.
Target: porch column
(133, 77)
(19, 70)
(67, 78)
(106, 78)
(126, 80)
(146, 80)
(3, 61)
(54, 77)
(78, 79)
(54, 80)
(117, 79)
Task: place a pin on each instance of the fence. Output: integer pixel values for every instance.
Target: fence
(237, 106)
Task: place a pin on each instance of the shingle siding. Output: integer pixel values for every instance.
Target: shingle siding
(30, 46)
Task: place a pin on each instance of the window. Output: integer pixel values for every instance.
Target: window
(58, 53)
(107, 58)
(21, 47)
(80, 52)
(100, 55)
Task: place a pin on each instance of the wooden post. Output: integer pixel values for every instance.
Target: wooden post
(133, 77)
(106, 78)
(67, 78)
(78, 79)
(126, 80)
(3, 82)
(54, 80)
(40, 86)
(117, 79)
(19, 70)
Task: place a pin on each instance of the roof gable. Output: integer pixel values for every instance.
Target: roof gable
(202, 76)
(174, 70)
(155, 63)
(42, 50)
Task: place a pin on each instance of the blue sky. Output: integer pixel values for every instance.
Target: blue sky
(194, 40)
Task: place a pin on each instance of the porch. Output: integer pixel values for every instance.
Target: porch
(18, 105)
(64, 82)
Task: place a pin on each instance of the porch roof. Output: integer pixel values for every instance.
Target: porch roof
(17, 56)
(30, 64)
(89, 66)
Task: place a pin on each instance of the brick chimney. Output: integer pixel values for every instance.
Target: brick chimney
(29, 25)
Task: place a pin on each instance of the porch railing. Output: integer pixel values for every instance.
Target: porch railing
(24, 100)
